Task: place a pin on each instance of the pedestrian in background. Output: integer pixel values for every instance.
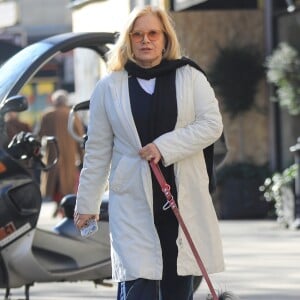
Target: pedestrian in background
(154, 105)
(62, 179)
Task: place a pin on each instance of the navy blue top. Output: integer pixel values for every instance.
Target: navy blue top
(141, 107)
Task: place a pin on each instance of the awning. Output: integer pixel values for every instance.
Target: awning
(183, 4)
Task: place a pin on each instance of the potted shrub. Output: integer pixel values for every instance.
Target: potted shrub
(239, 194)
(235, 74)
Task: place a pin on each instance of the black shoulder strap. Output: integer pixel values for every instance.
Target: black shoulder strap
(209, 160)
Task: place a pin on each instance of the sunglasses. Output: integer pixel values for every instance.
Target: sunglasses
(139, 36)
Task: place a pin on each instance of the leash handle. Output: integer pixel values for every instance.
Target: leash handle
(166, 189)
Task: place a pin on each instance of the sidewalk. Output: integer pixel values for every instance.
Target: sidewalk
(263, 262)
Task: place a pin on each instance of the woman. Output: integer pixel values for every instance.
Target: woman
(154, 105)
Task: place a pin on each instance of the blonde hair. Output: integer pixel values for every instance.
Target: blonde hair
(122, 51)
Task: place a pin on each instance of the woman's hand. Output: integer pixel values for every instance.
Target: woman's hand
(80, 220)
(150, 152)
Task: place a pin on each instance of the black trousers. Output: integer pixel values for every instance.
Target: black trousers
(171, 286)
(145, 289)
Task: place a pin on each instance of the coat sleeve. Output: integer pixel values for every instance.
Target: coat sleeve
(97, 158)
(205, 128)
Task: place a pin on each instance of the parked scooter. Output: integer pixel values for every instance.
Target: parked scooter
(29, 254)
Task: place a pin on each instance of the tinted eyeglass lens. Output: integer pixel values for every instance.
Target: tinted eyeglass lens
(138, 36)
(153, 35)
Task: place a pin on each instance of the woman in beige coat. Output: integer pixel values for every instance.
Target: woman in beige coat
(154, 105)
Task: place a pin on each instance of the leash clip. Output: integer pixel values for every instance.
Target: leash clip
(167, 205)
(166, 191)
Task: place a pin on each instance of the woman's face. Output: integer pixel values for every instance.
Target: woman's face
(147, 41)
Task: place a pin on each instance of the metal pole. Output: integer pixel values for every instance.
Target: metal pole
(296, 150)
(275, 123)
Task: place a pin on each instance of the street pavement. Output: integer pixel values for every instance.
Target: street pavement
(262, 260)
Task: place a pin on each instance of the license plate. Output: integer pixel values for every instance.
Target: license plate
(2, 167)
(7, 230)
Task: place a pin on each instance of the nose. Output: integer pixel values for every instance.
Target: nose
(145, 38)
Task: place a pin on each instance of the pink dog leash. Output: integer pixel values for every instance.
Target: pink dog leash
(165, 187)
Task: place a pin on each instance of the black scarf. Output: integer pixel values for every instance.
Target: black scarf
(165, 89)
(165, 67)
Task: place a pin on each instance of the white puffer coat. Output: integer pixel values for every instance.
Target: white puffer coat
(112, 152)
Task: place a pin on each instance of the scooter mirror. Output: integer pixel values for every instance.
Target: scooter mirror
(49, 142)
(16, 103)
